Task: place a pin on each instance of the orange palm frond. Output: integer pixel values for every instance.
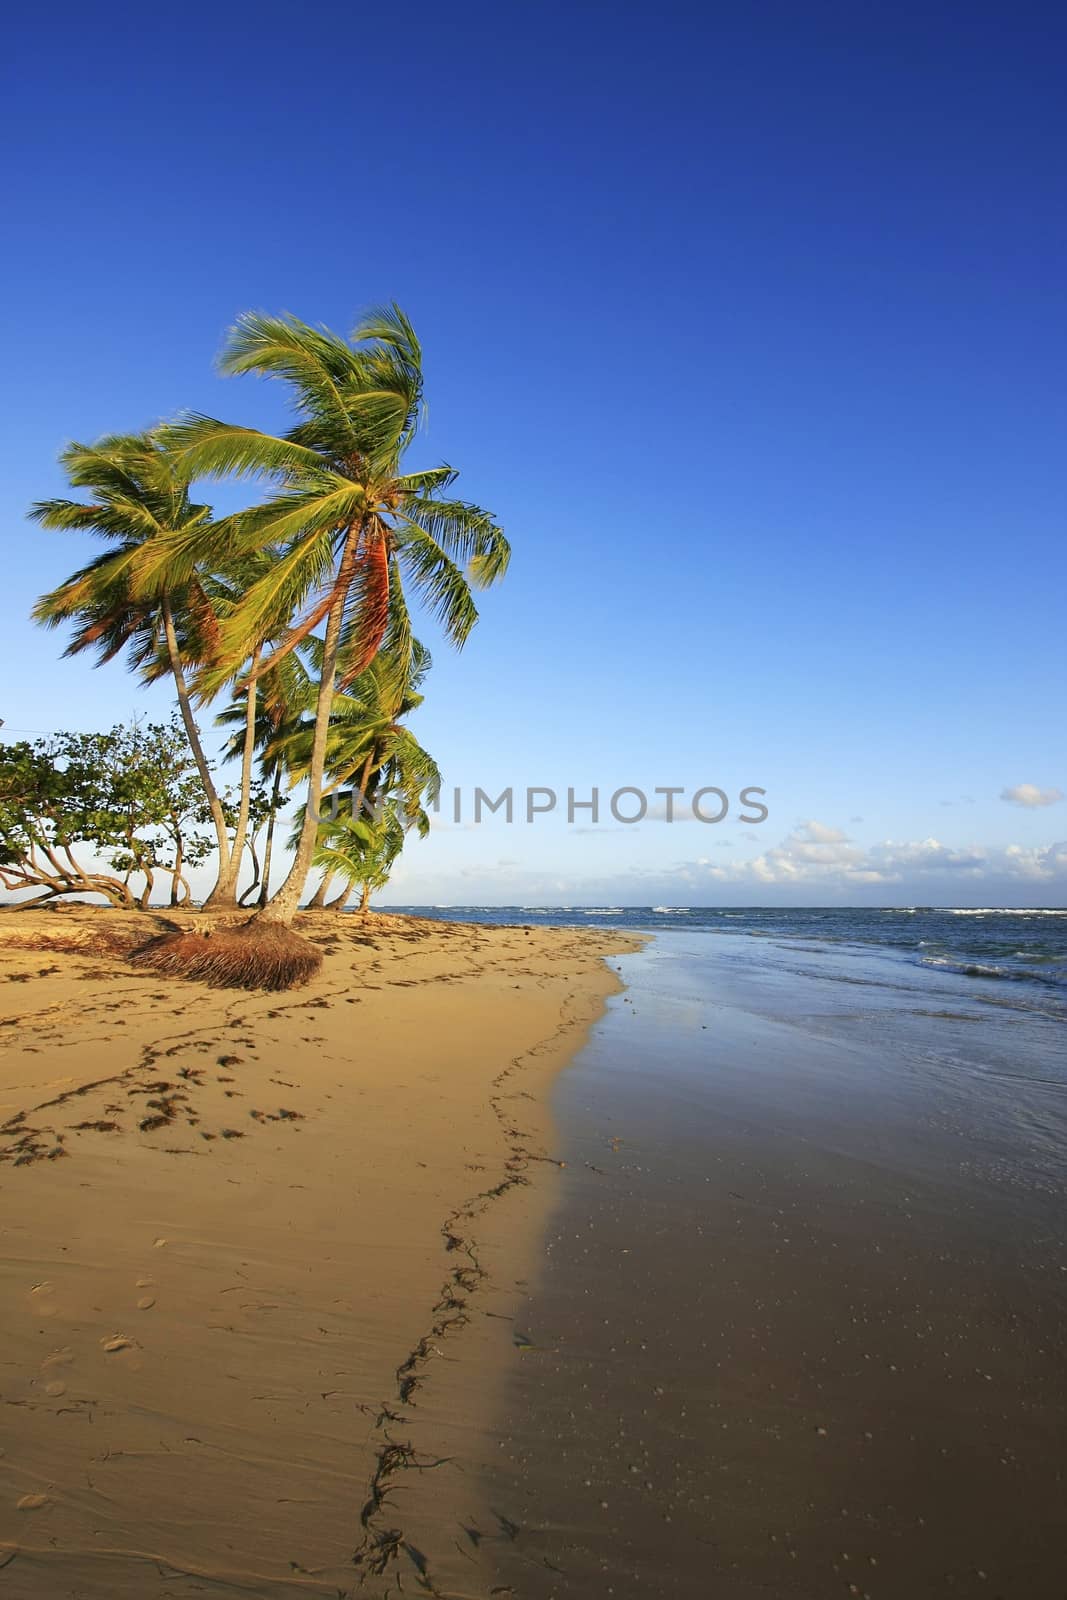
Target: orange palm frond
(372, 614)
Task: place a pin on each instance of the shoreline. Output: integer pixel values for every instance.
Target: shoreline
(797, 1328)
(239, 1389)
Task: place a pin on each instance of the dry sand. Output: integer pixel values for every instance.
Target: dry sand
(259, 1253)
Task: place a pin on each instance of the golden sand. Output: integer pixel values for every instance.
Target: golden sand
(258, 1252)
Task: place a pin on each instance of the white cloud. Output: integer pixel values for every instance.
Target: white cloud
(817, 854)
(819, 833)
(815, 863)
(1048, 861)
(1029, 795)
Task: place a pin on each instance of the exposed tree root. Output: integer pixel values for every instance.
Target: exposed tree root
(255, 955)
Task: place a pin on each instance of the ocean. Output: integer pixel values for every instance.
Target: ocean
(797, 1327)
(926, 947)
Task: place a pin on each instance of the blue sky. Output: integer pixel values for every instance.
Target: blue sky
(747, 322)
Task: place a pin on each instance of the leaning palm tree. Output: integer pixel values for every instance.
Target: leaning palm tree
(168, 626)
(366, 735)
(392, 773)
(393, 778)
(362, 853)
(351, 527)
(366, 724)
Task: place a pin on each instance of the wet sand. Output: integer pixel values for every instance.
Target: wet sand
(241, 1236)
(800, 1325)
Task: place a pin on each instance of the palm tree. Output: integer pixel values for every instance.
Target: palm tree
(167, 627)
(363, 852)
(351, 527)
(368, 747)
(366, 725)
(396, 776)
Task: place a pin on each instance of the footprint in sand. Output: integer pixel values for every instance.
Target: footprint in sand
(43, 1301)
(33, 1502)
(146, 1302)
(51, 1368)
(123, 1352)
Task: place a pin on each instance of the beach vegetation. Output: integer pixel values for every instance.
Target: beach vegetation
(296, 607)
(108, 814)
(134, 496)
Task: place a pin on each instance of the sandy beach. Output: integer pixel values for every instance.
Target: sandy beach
(260, 1253)
(351, 1290)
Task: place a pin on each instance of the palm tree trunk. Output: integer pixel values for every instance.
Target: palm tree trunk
(247, 756)
(176, 874)
(318, 899)
(254, 887)
(225, 890)
(364, 900)
(283, 906)
(268, 843)
(339, 900)
(364, 779)
(193, 734)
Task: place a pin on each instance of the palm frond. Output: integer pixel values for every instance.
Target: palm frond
(204, 447)
(468, 533)
(267, 610)
(425, 483)
(116, 518)
(439, 583)
(370, 607)
(316, 364)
